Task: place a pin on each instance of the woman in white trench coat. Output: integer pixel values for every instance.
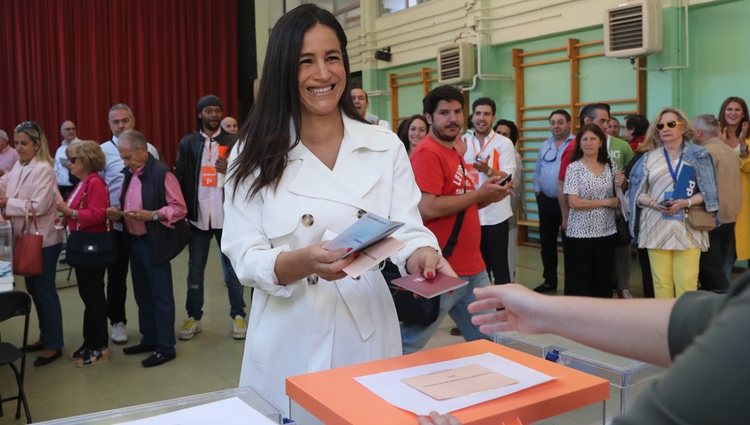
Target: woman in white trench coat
(305, 164)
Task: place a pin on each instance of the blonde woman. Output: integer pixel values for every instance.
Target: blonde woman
(663, 184)
(31, 184)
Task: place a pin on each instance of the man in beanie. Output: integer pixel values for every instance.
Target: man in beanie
(201, 166)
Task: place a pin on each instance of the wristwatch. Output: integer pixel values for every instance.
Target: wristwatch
(155, 216)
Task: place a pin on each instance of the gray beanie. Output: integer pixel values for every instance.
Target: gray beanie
(209, 100)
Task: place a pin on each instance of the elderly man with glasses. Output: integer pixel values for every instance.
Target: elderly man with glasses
(65, 180)
(545, 188)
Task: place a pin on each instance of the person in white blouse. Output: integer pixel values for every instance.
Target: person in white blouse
(306, 163)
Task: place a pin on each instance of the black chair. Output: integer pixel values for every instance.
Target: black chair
(14, 304)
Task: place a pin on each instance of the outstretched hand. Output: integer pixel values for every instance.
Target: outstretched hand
(328, 264)
(508, 307)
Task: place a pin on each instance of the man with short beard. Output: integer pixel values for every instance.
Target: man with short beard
(450, 197)
(201, 165)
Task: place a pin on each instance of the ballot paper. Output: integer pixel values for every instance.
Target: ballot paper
(390, 385)
(228, 411)
(459, 382)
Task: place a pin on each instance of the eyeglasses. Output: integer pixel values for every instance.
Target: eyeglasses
(69, 129)
(72, 159)
(670, 124)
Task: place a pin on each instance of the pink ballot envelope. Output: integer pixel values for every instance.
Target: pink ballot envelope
(429, 288)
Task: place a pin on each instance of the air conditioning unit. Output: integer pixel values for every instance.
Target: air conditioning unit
(633, 28)
(456, 63)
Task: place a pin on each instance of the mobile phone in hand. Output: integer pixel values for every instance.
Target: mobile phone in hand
(506, 179)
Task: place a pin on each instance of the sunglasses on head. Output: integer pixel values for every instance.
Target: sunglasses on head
(26, 125)
(670, 124)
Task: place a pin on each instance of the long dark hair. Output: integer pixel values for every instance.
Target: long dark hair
(743, 105)
(602, 156)
(263, 142)
(403, 129)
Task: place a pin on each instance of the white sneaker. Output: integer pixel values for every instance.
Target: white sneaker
(239, 327)
(189, 328)
(119, 333)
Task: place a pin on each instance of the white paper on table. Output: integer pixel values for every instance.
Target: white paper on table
(229, 411)
(388, 385)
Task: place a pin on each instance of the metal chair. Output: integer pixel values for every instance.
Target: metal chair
(15, 304)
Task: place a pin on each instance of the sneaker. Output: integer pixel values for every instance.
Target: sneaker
(189, 329)
(119, 333)
(239, 327)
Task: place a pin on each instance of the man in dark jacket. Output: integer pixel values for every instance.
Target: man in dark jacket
(201, 167)
(153, 212)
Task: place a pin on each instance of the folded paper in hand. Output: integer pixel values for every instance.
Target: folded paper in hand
(429, 288)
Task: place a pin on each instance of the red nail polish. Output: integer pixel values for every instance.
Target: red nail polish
(430, 275)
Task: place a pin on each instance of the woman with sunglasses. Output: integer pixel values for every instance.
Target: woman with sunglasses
(85, 211)
(31, 187)
(664, 183)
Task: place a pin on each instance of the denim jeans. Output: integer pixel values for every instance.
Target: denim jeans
(43, 291)
(200, 243)
(414, 338)
(152, 287)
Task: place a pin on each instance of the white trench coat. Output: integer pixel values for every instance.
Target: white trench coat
(304, 326)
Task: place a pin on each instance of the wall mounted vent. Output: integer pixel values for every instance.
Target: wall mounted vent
(633, 28)
(456, 63)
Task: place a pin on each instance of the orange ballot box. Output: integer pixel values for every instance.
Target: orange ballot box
(335, 397)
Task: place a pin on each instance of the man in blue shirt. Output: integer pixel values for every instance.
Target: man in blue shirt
(545, 188)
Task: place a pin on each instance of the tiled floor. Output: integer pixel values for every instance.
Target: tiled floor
(209, 362)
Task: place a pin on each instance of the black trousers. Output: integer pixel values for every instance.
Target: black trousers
(550, 223)
(646, 276)
(711, 273)
(91, 289)
(591, 261)
(117, 275)
(494, 247)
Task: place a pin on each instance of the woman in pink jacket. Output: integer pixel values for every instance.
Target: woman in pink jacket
(85, 211)
(31, 185)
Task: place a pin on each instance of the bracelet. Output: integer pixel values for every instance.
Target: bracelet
(490, 172)
(690, 202)
(74, 215)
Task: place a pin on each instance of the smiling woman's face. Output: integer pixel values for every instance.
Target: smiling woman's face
(321, 76)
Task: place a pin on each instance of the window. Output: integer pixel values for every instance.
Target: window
(391, 6)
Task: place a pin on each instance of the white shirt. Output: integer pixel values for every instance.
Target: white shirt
(500, 154)
(61, 160)
(210, 198)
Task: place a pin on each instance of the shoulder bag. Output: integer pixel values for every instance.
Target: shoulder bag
(699, 219)
(27, 249)
(91, 249)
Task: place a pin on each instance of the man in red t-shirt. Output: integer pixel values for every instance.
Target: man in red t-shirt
(440, 173)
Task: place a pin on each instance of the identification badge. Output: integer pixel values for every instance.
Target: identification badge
(209, 177)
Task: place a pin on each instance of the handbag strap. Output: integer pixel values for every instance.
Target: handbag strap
(453, 238)
(32, 210)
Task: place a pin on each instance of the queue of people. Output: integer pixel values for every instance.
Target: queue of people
(300, 170)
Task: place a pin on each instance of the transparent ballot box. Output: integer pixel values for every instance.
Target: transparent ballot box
(627, 377)
(144, 411)
(6, 256)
